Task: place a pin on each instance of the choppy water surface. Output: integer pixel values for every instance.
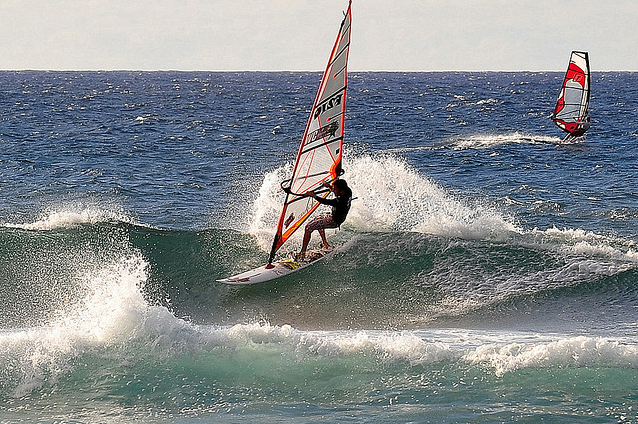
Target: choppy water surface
(486, 274)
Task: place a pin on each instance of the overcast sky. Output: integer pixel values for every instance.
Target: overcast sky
(393, 35)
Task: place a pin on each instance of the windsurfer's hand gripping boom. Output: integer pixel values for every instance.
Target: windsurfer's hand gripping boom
(326, 184)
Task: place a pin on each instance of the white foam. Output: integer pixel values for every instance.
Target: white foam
(43, 355)
(503, 352)
(110, 312)
(571, 351)
(387, 346)
(394, 196)
(585, 243)
(267, 206)
(73, 215)
(390, 195)
(486, 141)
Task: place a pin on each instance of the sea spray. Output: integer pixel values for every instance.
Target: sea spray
(389, 195)
(110, 311)
(266, 208)
(73, 214)
(397, 197)
(491, 141)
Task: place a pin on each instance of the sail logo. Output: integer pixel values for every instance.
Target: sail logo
(289, 220)
(328, 104)
(323, 132)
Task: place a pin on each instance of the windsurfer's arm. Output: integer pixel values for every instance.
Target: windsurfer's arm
(288, 190)
(329, 202)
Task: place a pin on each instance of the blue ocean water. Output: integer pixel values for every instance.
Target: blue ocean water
(487, 273)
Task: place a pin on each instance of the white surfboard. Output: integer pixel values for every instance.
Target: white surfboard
(277, 269)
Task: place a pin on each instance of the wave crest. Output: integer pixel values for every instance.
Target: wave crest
(73, 215)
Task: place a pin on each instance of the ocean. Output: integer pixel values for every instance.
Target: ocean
(486, 273)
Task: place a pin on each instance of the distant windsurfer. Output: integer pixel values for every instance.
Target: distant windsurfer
(580, 130)
(340, 208)
(582, 127)
(572, 106)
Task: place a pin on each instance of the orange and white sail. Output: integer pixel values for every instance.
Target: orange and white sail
(321, 147)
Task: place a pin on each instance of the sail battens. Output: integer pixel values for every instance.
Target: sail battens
(319, 174)
(338, 72)
(343, 51)
(324, 144)
(335, 96)
(320, 151)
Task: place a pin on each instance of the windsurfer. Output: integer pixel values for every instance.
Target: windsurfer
(571, 110)
(580, 130)
(340, 208)
(582, 127)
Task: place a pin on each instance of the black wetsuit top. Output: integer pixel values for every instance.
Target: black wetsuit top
(340, 206)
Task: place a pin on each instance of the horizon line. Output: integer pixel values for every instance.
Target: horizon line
(294, 70)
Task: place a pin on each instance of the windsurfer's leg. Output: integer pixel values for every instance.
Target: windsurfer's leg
(306, 240)
(319, 224)
(322, 233)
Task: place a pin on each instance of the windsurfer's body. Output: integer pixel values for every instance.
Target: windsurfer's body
(582, 127)
(580, 130)
(340, 208)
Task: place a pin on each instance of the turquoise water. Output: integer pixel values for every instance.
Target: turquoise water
(485, 274)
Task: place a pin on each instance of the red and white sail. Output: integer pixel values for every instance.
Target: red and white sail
(571, 111)
(320, 151)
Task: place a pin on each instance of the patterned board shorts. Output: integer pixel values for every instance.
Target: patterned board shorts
(321, 223)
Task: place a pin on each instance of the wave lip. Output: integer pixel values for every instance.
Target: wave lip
(502, 352)
(578, 351)
(109, 312)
